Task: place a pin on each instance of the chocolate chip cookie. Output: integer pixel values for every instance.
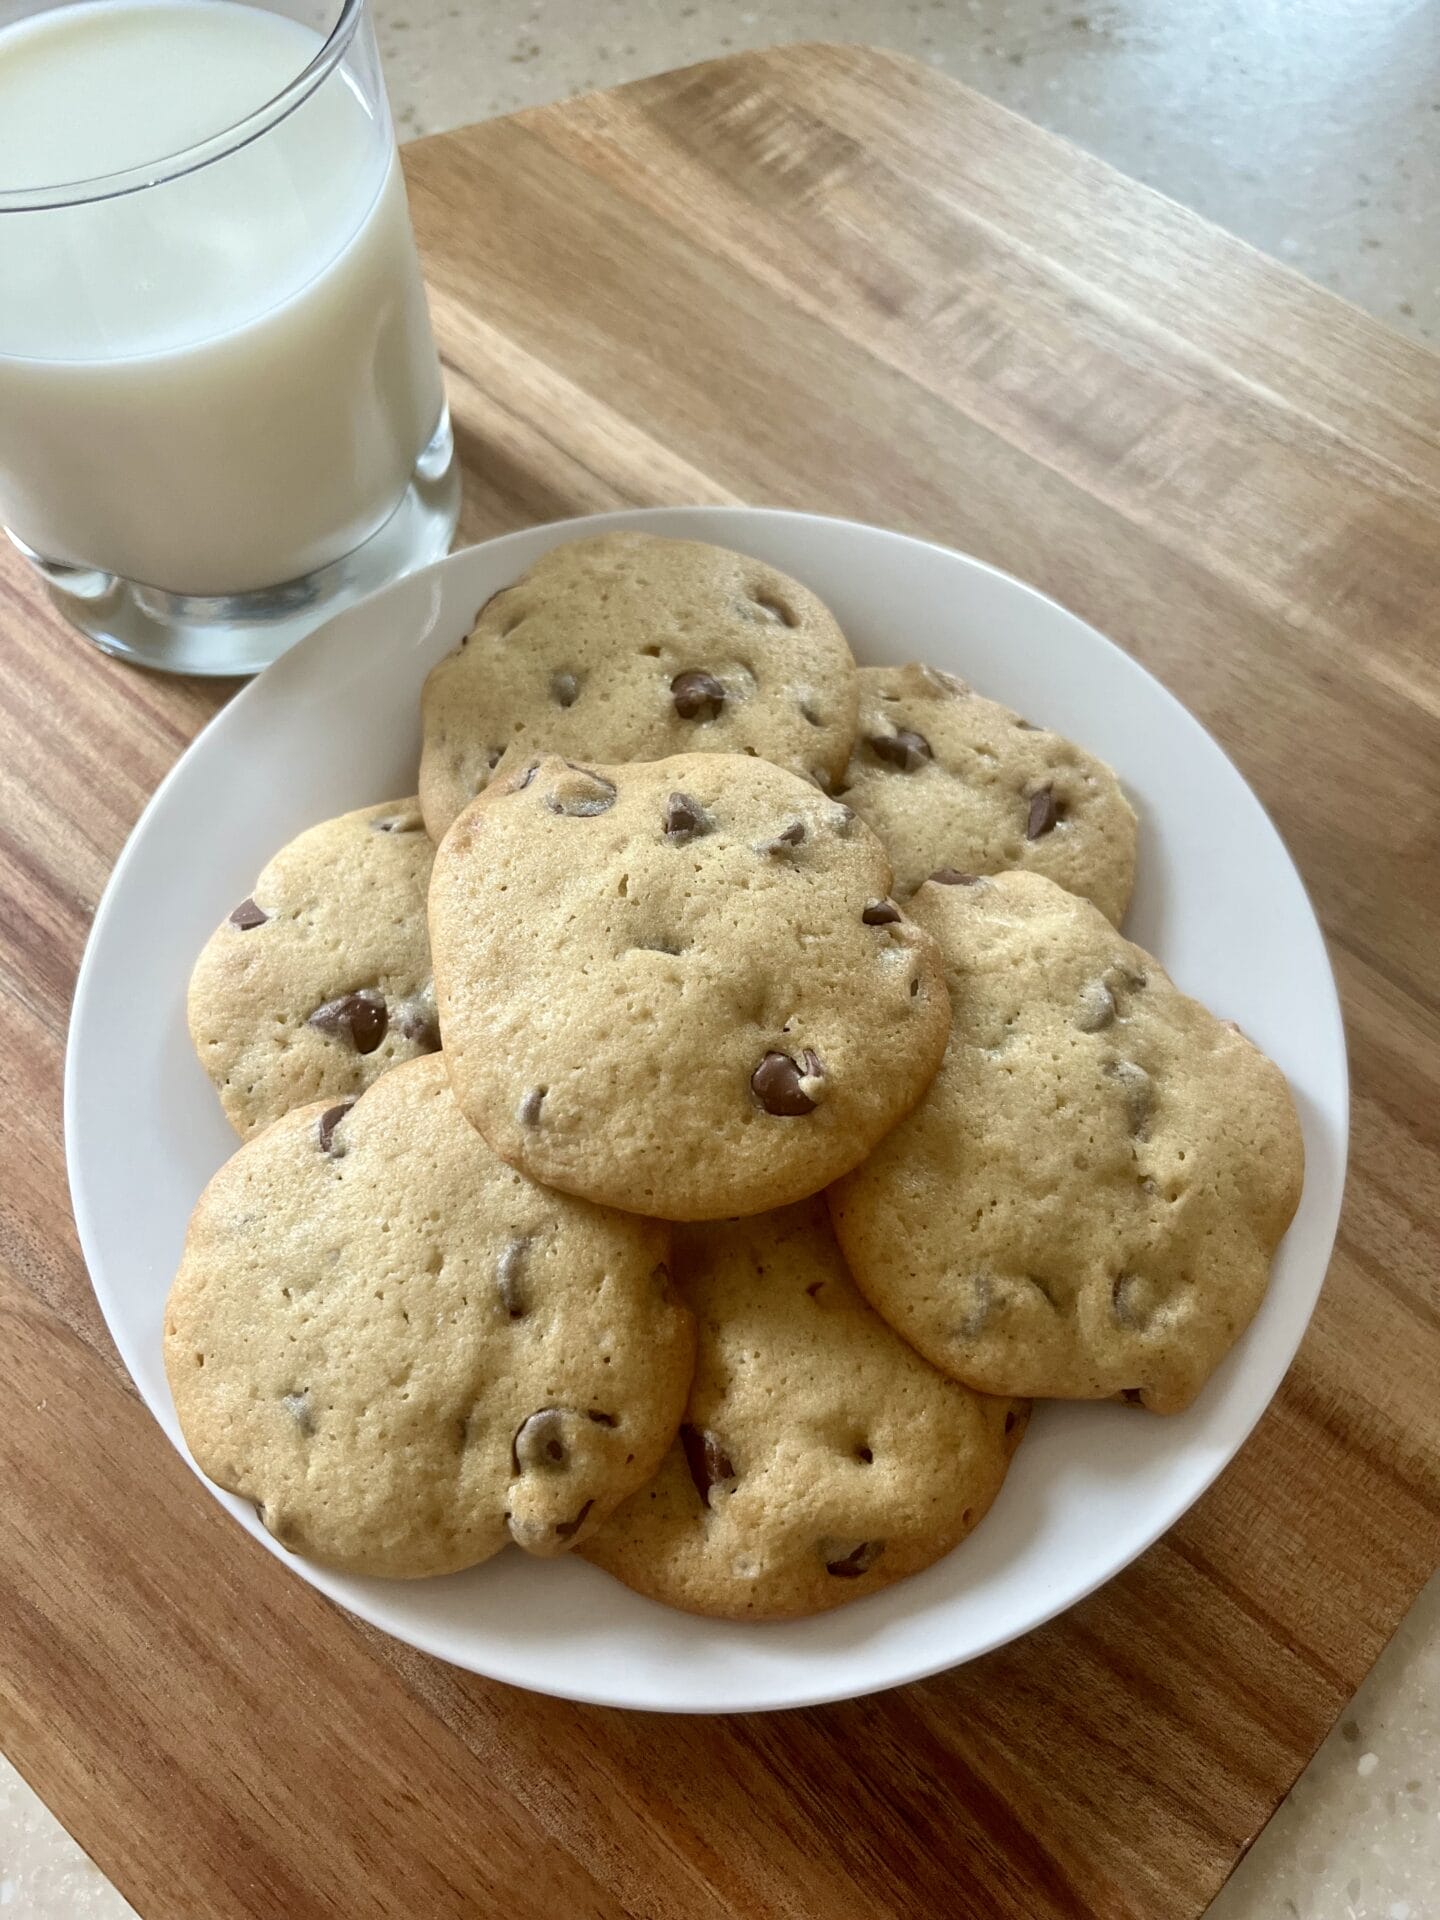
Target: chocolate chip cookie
(1086, 1203)
(951, 780)
(406, 1353)
(631, 647)
(820, 1459)
(680, 986)
(320, 980)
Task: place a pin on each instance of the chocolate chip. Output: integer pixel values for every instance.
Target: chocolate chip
(777, 1083)
(769, 607)
(686, 819)
(327, 1123)
(601, 1419)
(1133, 1300)
(707, 1460)
(1045, 814)
(1010, 1420)
(952, 877)
(360, 1018)
(848, 1563)
(785, 841)
(493, 757)
(528, 1112)
(297, 1405)
(566, 1529)
(564, 689)
(880, 913)
(398, 823)
(904, 749)
(1133, 1396)
(697, 695)
(580, 793)
(248, 915)
(1096, 1008)
(841, 817)
(417, 1021)
(539, 1443)
(1137, 1091)
(509, 1272)
(1027, 726)
(518, 782)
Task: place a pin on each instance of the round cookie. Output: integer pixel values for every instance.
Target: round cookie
(950, 780)
(820, 1459)
(629, 647)
(406, 1353)
(321, 979)
(1086, 1203)
(679, 986)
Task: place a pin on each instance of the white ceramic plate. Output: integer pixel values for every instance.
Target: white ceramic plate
(333, 725)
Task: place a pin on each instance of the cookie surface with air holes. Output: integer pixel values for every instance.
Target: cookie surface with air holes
(680, 986)
(406, 1353)
(626, 646)
(951, 780)
(320, 980)
(1086, 1203)
(820, 1459)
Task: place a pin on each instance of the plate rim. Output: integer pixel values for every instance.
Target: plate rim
(329, 1581)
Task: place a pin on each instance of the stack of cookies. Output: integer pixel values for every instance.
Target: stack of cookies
(693, 1131)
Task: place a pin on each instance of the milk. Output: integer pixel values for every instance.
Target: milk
(222, 382)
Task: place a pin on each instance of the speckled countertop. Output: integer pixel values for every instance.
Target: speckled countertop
(1310, 127)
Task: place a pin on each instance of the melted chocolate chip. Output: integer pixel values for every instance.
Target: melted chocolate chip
(297, 1405)
(1097, 1007)
(539, 1443)
(327, 1123)
(360, 1018)
(697, 695)
(880, 913)
(904, 749)
(850, 1565)
(247, 915)
(1045, 814)
(707, 1460)
(1028, 726)
(518, 782)
(776, 1083)
(509, 1274)
(417, 1021)
(566, 1529)
(581, 793)
(686, 819)
(952, 877)
(564, 689)
(398, 823)
(770, 607)
(1133, 1396)
(786, 840)
(528, 1112)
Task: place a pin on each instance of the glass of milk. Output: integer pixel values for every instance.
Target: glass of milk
(221, 413)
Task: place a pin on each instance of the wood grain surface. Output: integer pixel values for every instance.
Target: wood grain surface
(818, 278)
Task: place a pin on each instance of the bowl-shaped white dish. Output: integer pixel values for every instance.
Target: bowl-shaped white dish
(334, 725)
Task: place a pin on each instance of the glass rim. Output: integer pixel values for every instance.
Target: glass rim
(202, 153)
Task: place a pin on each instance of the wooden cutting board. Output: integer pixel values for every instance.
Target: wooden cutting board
(817, 278)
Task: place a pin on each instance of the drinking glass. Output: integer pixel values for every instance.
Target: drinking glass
(221, 411)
